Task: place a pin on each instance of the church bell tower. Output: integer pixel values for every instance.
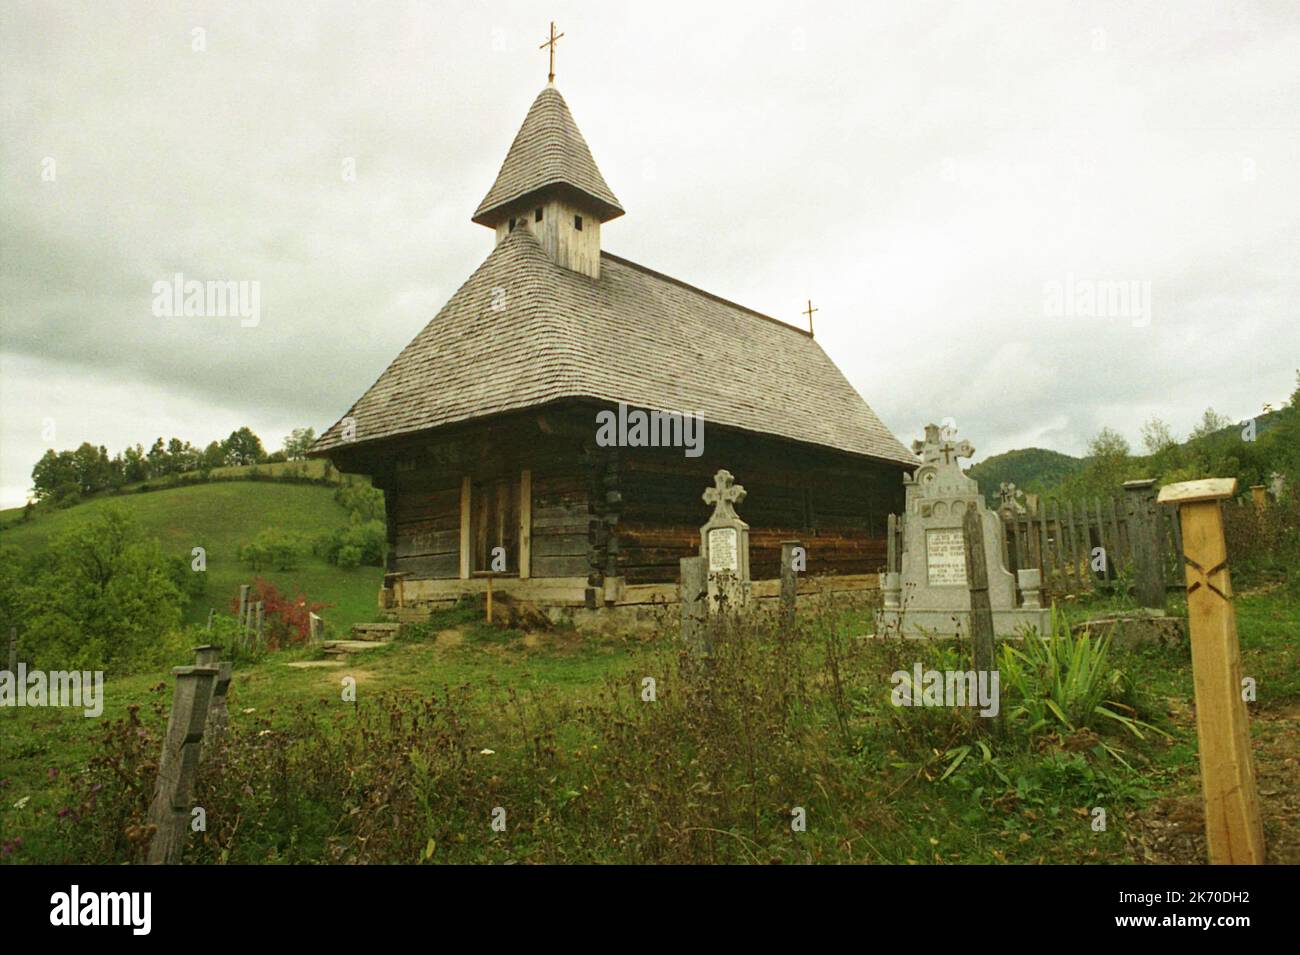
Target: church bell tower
(550, 185)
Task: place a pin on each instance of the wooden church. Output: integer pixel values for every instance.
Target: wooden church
(484, 432)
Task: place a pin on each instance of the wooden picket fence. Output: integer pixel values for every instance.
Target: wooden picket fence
(1061, 537)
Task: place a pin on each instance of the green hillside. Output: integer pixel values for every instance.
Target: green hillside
(1030, 469)
(219, 517)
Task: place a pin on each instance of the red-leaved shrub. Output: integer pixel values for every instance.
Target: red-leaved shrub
(285, 619)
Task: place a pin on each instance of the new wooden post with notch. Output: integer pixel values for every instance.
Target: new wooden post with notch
(1233, 828)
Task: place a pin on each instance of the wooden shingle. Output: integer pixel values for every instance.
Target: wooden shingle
(523, 332)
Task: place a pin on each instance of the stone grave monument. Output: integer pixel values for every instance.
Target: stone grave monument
(724, 545)
(928, 595)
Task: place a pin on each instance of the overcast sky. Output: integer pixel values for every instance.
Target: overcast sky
(928, 173)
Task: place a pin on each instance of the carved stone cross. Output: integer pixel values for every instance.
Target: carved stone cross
(724, 495)
(954, 450)
(938, 444)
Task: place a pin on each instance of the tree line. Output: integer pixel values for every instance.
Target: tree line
(63, 477)
(1261, 450)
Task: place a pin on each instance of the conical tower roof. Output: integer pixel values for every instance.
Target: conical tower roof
(548, 153)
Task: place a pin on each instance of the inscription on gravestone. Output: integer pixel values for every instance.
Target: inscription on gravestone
(722, 550)
(945, 558)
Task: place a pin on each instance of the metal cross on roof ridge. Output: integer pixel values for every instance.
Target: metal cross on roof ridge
(809, 312)
(550, 76)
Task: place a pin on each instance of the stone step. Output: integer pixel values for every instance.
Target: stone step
(342, 648)
(314, 664)
(374, 631)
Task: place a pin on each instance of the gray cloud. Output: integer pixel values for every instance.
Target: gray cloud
(921, 171)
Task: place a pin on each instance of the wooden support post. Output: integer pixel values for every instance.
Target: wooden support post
(694, 597)
(789, 582)
(525, 524)
(170, 810)
(243, 607)
(13, 651)
(977, 581)
(1148, 568)
(212, 612)
(1233, 828)
(466, 545)
(891, 544)
(488, 576)
(1259, 495)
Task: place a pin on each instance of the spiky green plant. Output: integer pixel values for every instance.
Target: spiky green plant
(1068, 681)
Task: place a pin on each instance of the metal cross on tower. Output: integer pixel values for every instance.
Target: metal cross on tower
(550, 77)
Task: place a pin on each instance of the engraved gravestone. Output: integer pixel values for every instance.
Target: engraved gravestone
(929, 595)
(724, 544)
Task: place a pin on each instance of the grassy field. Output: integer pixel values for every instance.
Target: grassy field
(460, 717)
(219, 517)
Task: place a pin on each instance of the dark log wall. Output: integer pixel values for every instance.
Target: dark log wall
(837, 505)
(631, 512)
(561, 522)
(424, 526)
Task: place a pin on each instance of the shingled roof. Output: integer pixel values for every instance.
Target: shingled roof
(633, 335)
(548, 152)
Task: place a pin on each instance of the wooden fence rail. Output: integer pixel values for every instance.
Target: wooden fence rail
(1083, 546)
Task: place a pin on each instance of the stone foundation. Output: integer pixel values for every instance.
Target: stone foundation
(570, 602)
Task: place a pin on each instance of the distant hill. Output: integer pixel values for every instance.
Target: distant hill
(219, 517)
(1029, 469)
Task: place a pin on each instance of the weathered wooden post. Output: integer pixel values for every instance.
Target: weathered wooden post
(1233, 828)
(243, 607)
(1259, 496)
(170, 810)
(892, 557)
(218, 718)
(316, 626)
(257, 633)
(977, 582)
(694, 597)
(789, 581)
(981, 608)
(1144, 542)
(13, 651)
(212, 612)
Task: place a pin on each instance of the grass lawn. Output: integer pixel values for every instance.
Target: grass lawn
(220, 517)
(896, 800)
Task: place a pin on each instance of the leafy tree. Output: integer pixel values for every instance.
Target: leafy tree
(1211, 423)
(105, 599)
(1108, 466)
(243, 447)
(1157, 436)
(183, 456)
(135, 467)
(213, 456)
(363, 501)
(273, 547)
(298, 443)
(158, 461)
(54, 477)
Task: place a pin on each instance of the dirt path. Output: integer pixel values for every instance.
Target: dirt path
(1172, 829)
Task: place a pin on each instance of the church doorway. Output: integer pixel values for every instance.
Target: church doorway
(495, 525)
